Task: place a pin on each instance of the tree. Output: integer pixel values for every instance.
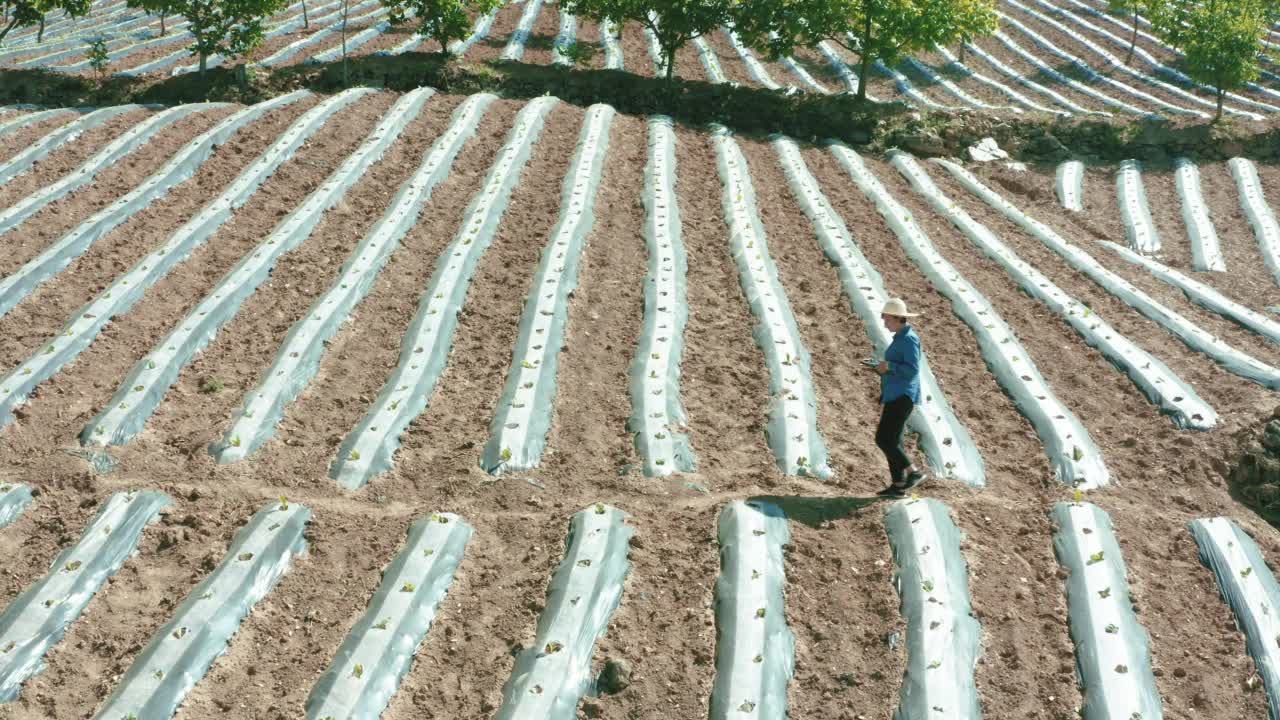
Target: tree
(973, 19)
(98, 56)
(674, 23)
(440, 20)
(873, 29)
(25, 13)
(231, 28)
(1221, 40)
(1134, 9)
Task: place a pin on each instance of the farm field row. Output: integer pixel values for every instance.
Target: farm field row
(1062, 57)
(386, 306)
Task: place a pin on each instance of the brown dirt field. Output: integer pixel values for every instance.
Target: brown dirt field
(1070, 45)
(504, 24)
(841, 603)
(49, 307)
(246, 345)
(15, 141)
(542, 36)
(1240, 249)
(605, 320)
(997, 49)
(635, 51)
(68, 156)
(61, 216)
(730, 62)
(339, 395)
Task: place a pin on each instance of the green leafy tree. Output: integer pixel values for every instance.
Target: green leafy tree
(873, 29)
(1135, 9)
(231, 28)
(973, 19)
(1220, 39)
(26, 13)
(159, 8)
(440, 20)
(674, 23)
(98, 57)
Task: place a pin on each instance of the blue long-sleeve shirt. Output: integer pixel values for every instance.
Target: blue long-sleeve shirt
(903, 357)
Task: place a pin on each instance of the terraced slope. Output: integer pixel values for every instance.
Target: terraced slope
(713, 293)
(1059, 57)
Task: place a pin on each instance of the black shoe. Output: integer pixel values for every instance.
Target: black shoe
(914, 479)
(893, 491)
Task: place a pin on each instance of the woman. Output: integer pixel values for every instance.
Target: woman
(899, 394)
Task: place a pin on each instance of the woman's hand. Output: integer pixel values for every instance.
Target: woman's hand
(882, 368)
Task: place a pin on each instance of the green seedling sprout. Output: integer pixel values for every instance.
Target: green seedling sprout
(760, 612)
(408, 588)
(1095, 558)
(284, 503)
(1246, 572)
(553, 647)
(600, 508)
(244, 557)
(357, 671)
(354, 455)
(505, 456)
(179, 633)
(1112, 629)
(72, 566)
(382, 624)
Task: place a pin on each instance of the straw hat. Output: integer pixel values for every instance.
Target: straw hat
(897, 308)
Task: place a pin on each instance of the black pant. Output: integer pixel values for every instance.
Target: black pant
(893, 420)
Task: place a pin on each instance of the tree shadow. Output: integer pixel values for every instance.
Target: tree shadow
(815, 511)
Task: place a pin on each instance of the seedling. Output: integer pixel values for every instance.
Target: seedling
(72, 566)
(1112, 629)
(1246, 572)
(284, 503)
(760, 612)
(358, 671)
(506, 455)
(353, 455)
(382, 624)
(935, 664)
(1095, 558)
(1104, 593)
(180, 633)
(408, 587)
(553, 647)
(211, 386)
(245, 557)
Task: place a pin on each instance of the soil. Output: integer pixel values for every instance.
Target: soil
(841, 601)
(997, 49)
(68, 155)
